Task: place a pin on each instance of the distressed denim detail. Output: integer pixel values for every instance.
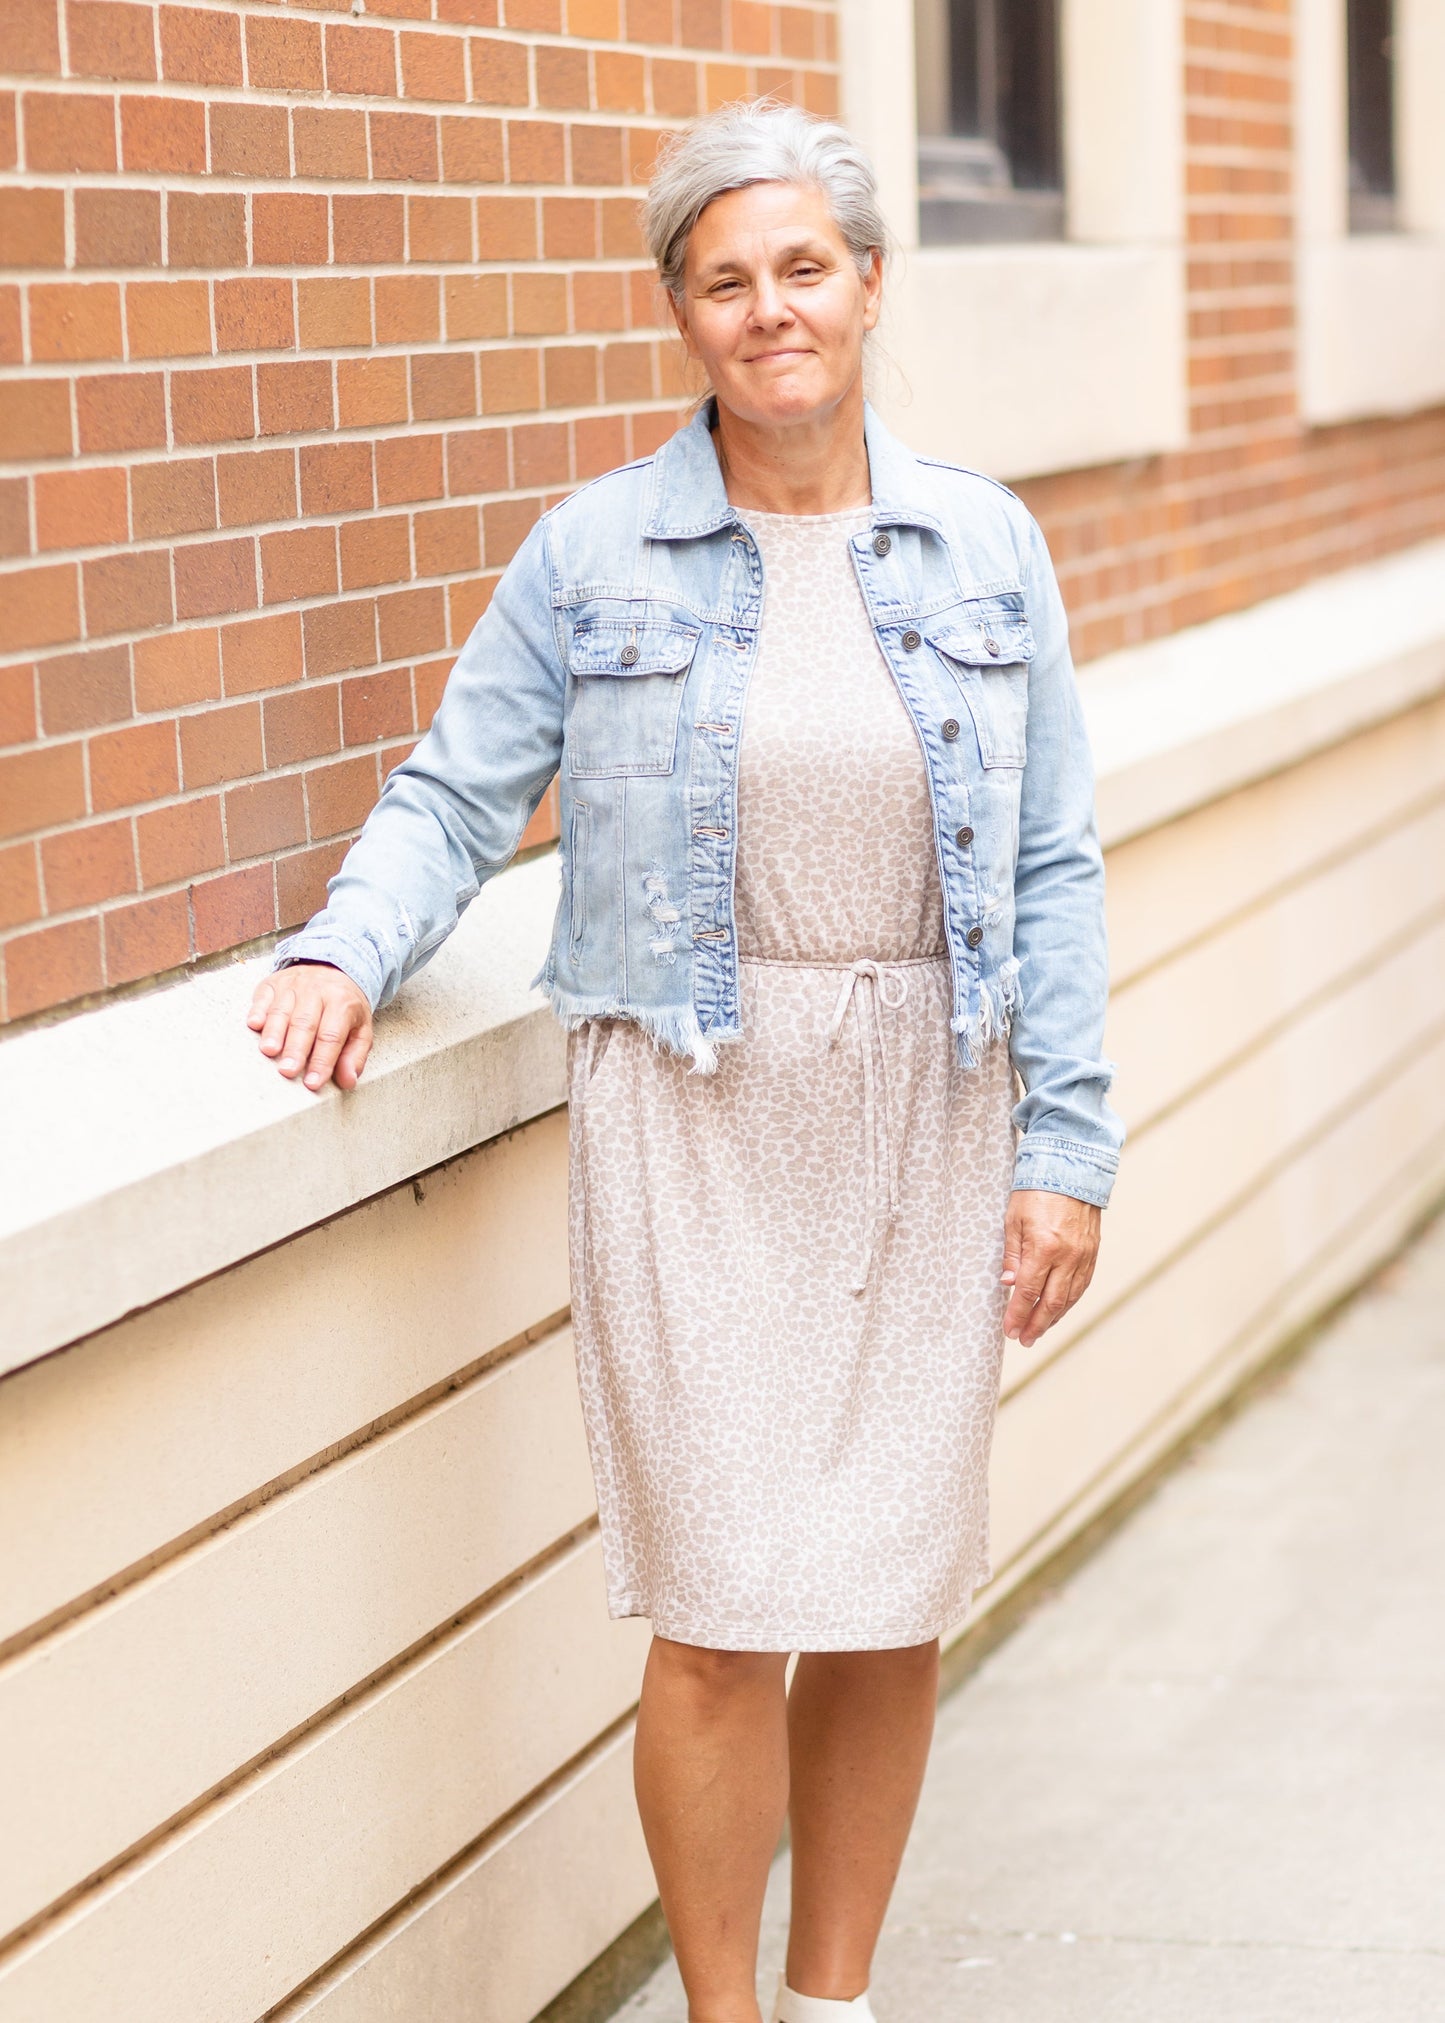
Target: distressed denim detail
(615, 657)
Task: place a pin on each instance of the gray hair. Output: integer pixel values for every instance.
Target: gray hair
(759, 140)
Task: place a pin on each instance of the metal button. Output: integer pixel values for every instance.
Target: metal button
(974, 936)
(912, 641)
(950, 727)
(991, 646)
(630, 656)
(882, 543)
(964, 836)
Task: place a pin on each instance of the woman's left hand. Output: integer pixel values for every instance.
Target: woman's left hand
(1050, 1243)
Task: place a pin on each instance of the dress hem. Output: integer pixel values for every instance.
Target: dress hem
(623, 1606)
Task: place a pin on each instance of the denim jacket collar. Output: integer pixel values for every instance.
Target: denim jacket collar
(689, 498)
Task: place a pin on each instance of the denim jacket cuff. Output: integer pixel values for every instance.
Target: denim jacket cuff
(1063, 1166)
(356, 958)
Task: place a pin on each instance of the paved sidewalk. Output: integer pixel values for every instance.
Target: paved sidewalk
(1205, 1780)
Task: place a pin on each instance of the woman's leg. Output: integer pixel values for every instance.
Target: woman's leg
(859, 1728)
(712, 1788)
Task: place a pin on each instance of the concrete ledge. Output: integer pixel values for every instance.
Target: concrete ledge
(149, 1143)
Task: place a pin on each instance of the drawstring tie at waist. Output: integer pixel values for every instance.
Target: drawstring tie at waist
(867, 985)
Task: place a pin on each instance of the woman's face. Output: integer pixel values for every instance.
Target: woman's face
(773, 307)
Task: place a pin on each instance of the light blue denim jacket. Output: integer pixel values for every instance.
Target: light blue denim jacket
(617, 649)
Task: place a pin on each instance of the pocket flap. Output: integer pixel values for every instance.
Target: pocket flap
(990, 639)
(618, 647)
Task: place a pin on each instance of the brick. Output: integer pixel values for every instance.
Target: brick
(301, 879)
(368, 230)
(498, 72)
(750, 26)
(375, 551)
(261, 653)
(129, 592)
(433, 67)
(536, 17)
(621, 81)
(541, 454)
(476, 305)
(599, 443)
(294, 397)
(84, 866)
(250, 140)
(200, 45)
(412, 621)
(179, 841)
(370, 392)
(507, 227)
(80, 509)
(256, 485)
(12, 339)
(476, 462)
(30, 38)
(303, 723)
(443, 385)
(283, 55)
(165, 136)
(15, 518)
(599, 301)
(506, 524)
(74, 320)
(622, 229)
(569, 228)
(376, 705)
(205, 230)
(571, 371)
(173, 497)
(9, 130)
(563, 80)
(265, 816)
(51, 965)
(337, 477)
(214, 578)
(472, 149)
(536, 151)
(35, 418)
(674, 88)
(702, 24)
(404, 147)
(32, 228)
(131, 766)
(329, 141)
(596, 20)
(475, 13)
(254, 314)
(298, 563)
(168, 319)
(146, 938)
(41, 789)
(80, 690)
(596, 154)
(340, 637)
(234, 908)
(408, 468)
(539, 305)
(340, 797)
(651, 21)
(439, 228)
(408, 309)
(290, 229)
(116, 228)
(213, 406)
(360, 60)
(221, 744)
(333, 313)
(447, 541)
(66, 132)
(40, 607)
(627, 371)
(110, 38)
(19, 885)
(176, 668)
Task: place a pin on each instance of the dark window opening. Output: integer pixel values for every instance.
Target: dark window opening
(989, 133)
(1372, 115)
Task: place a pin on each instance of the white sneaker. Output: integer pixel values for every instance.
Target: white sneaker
(791, 2007)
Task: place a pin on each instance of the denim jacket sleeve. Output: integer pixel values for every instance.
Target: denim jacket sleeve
(452, 813)
(1070, 1135)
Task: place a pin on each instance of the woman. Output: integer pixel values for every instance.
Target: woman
(800, 951)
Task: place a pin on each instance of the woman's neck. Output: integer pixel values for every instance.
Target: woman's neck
(815, 466)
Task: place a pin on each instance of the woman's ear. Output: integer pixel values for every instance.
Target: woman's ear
(873, 290)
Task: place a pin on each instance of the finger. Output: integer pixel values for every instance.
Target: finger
(261, 998)
(352, 1058)
(332, 1032)
(1025, 1296)
(1013, 1243)
(278, 1018)
(1053, 1302)
(300, 1035)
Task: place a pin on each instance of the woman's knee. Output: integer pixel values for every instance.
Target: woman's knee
(715, 1676)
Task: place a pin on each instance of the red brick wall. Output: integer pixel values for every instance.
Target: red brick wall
(305, 317)
(1256, 503)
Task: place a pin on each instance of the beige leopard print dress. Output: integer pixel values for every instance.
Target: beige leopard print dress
(785, 1274)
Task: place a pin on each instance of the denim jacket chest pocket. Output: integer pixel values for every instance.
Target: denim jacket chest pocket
(987, 645)
(627, 678)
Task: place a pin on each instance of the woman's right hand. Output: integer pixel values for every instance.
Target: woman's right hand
(315, 1018)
